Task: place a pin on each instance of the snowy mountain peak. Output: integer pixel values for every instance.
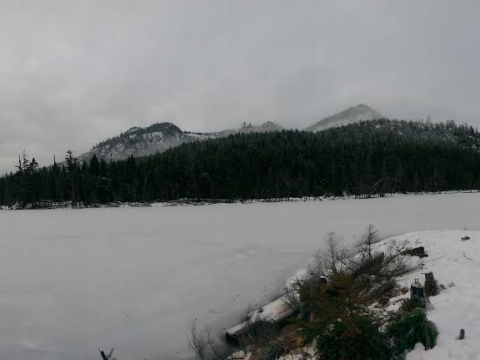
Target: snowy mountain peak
(156, 138)
(166, 128)
(351, 115)
(138, 141)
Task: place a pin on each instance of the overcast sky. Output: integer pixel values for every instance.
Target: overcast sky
(75, 72)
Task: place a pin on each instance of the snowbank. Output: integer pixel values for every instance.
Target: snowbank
(457, 307)
(454, 259)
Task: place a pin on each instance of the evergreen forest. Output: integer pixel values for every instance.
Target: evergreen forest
(371, 158)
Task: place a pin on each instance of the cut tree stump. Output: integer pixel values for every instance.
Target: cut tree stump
(431, 286)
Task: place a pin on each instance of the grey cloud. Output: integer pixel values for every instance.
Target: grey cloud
(75, 72)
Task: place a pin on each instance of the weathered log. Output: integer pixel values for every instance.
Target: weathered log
(275, 312)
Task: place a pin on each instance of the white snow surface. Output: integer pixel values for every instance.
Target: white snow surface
(133, 279)
(458, 307)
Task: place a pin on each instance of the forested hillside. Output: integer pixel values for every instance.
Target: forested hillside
(372, 157)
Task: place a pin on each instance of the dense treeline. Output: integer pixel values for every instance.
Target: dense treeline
(374, 157)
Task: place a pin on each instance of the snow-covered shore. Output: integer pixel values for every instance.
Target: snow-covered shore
(46, 205)
(456, 265)
(454, 259)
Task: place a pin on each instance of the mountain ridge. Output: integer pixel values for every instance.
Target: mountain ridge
(349, 116)
(159, 137)
(138, 141)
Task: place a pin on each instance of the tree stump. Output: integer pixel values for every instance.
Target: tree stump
(417, 290)
(431, 286)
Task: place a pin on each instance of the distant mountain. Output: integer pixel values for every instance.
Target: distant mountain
(139, 141)
(346, 117)
(249, 128)
(159, 137)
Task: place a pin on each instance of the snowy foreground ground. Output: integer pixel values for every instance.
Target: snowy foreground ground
(72, 281)
(456, 265)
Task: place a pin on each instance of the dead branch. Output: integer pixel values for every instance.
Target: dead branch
(200, 341)
(107, 357)
(441, 257)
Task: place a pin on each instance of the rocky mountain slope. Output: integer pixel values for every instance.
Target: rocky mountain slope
(140, 141)
(159, 137)
(350, 116)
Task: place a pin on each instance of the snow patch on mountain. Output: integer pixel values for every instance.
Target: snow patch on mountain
(138, 141)
(160, 137)
(350, 116)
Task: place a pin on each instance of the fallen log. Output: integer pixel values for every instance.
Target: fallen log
(276, 311)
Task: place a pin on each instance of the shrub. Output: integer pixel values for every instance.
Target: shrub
(204, 344)
(357, 339)
(409, 305)
(409, 330)
(340, 299)
(259, 332)
(337, 313)
(371, 269)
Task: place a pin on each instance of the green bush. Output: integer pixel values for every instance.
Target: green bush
(337, 314)
(409, 305)
(357, 339)
(407, 331)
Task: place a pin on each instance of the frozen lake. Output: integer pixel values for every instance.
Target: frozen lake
(73, 281)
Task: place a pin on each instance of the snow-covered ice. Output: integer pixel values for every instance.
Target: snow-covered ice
(72, 281)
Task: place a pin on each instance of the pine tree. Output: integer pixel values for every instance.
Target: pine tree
(71, 162)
